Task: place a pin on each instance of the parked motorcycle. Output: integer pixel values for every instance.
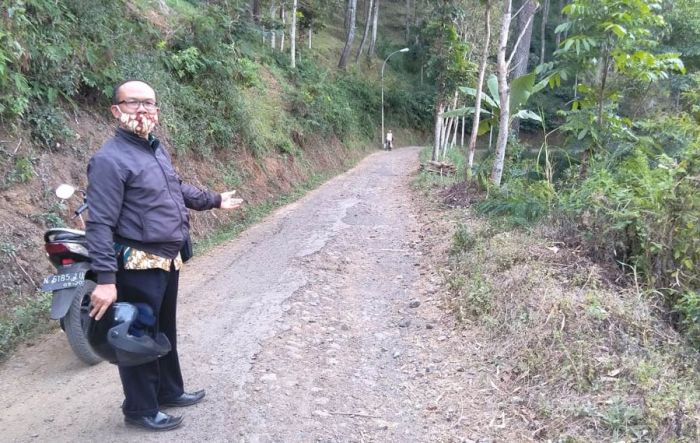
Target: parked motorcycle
(72, 284)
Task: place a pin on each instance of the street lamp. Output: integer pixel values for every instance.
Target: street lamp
(383, 66)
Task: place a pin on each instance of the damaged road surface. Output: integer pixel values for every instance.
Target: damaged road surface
(321, 323)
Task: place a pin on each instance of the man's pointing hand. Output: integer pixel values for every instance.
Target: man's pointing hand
(229, 202)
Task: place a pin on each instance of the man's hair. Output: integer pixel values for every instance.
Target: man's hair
(115, 93)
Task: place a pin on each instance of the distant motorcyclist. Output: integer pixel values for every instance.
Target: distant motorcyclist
(389, 140)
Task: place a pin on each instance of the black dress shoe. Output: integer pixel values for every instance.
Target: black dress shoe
(186, 399)
(160, 422)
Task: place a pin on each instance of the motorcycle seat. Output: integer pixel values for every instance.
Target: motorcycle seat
(63, 234)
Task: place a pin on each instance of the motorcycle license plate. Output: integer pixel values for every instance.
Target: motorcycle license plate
(63, 281)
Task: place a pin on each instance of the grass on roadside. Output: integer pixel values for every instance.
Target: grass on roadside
(583, 358)
(25, 322)
(590, 360)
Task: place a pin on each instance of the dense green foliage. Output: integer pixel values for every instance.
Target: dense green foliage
(623, 178)
(683, 17)
(610, 51)
(639, 208)
(643, 209)
(521, 89)
(444, 53)
(205, 61)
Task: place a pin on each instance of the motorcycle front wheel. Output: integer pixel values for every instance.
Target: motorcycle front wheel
(76, 321)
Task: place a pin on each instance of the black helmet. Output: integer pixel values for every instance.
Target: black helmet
(126, 336)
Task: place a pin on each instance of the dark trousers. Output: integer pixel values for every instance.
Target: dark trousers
(148, 385)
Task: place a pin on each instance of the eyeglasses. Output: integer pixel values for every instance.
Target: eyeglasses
(133, 105)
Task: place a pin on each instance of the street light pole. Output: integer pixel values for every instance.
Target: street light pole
(383, 66)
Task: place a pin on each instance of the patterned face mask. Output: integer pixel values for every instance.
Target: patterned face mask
(140, 124)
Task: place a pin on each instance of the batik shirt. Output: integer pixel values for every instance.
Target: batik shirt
(137, 260)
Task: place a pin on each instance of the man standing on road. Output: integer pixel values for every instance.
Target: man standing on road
(389, 140)
(137, 225)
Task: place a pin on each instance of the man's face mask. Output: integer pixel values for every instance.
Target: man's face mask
(140, 123)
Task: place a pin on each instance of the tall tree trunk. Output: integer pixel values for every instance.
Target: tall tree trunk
(557, 37)
(375, 20)
(444, 127)
(543, 30)
(351, 11)
(604, 69)
(503, 96)
(451, 124)
(415, 14)
(255, 10)
(451, 135)
(479, 87)
(446, 133)
(408, 20)
(455, 130)
(293, 34)
(283, 16)
(346, 22)
(521, 50)
(440, 109)
(310, 33)
(368, 22)
(273, 33)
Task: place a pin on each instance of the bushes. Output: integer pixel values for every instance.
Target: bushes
(687, 307)
(636, 206)
(187, 63)
(202, 61)
(24, 322)
(342, 106)
(349, 104)
(645, 211)
(410, 108)
(58, 52)
(522, 201)
(527, 193)
(61, 49)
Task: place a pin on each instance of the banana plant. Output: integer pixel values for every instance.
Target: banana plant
(521, 89)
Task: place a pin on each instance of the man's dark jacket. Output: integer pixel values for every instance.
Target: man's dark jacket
(136, 199)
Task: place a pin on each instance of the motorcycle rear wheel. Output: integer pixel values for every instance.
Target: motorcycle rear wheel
(75, 324)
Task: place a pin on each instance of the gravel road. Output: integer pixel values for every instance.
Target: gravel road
(321, 323)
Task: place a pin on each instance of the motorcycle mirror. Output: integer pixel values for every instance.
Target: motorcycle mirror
(65, 191)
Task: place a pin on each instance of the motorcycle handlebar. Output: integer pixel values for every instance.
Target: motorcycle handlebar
(81, 209)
